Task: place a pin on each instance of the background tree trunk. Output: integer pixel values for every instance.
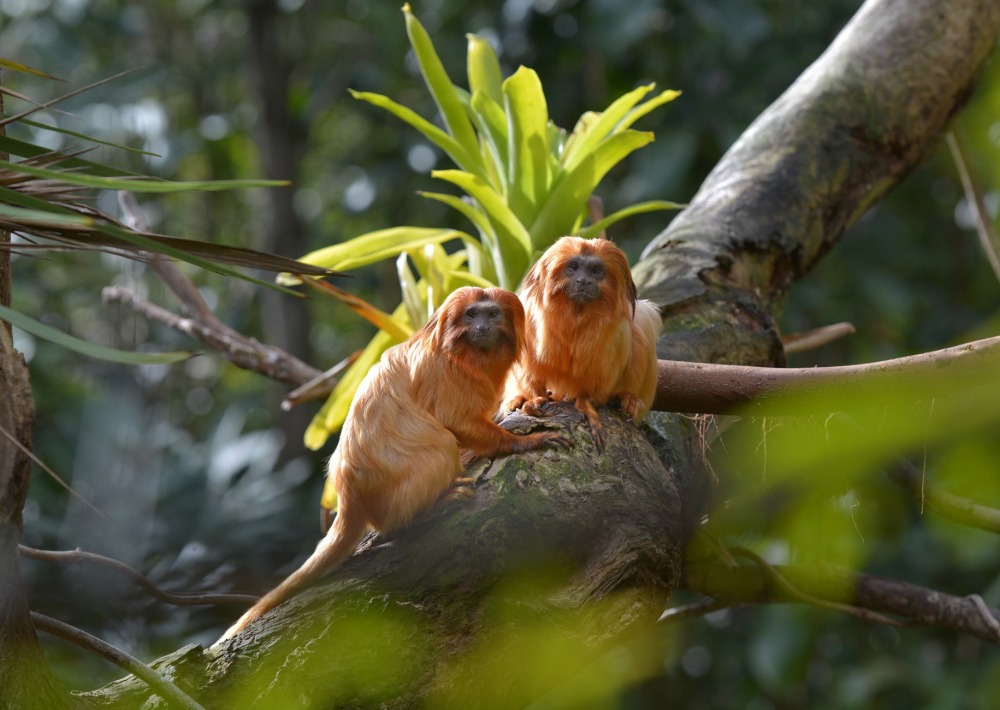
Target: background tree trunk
(280, 139)
(600, 537)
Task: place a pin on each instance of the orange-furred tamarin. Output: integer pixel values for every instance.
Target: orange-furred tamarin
(589, 338)
(425, 402)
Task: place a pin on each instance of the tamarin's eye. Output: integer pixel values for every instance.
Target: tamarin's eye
(597, 269)
(495, 314)
(470, 314)
(573, 266)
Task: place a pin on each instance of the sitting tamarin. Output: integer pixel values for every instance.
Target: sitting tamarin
(589, 338)
(425, 402)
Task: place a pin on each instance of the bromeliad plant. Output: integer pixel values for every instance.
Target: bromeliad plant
(526, 183)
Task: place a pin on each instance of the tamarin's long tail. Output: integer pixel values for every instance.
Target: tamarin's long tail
(338, 544)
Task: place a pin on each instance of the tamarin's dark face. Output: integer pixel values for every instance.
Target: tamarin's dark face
(581, 273)
(584, 274)
(483, 325)
(489, 321)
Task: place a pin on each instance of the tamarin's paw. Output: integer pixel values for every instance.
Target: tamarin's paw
(553, 439)
(537, 406)
(514, 403)
(459, 491)
(630, 405)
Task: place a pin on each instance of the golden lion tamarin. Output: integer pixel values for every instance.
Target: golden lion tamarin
(589, 338)
(425, 403)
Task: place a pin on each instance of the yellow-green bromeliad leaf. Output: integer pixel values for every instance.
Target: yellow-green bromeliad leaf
(440, 84)
(374, 247)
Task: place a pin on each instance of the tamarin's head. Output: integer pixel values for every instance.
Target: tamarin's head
(583, 272)
(486, 320)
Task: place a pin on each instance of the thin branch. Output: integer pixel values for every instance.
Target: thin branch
(816, 338)
(688, 611)
(985, 613)
(801, 596)
(319, 387)
(955, 508)
(246, 353)
(72, 556)
(988, 238)
(751, 584)
(164, 687)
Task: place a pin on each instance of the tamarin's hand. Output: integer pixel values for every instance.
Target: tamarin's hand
(427, 400)
(589, 338)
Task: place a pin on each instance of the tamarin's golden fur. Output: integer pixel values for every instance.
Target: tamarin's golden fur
(425, 402)
(589, 338)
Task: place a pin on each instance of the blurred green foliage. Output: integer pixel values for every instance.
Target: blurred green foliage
(180, 457)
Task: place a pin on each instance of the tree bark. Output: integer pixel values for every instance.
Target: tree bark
(25, 678)
(856, 122)
(588, 546)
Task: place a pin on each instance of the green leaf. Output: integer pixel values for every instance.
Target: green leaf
(84, 136)
(15, 66)
(491, 122)
(513, 247)
(439, 83)
(583, 126)
(595, 229)
(432, 263)
(474, 215)
(44, 218)
(569, 198)
(456, 278)
(29, 150)
(641, 110)
(479, 261)
(136, 184)
(484, 69)
(373, 247)
(99, 352)
(416, 307)
(529, 174)
(588, 134)
(127, 239)
(92, 239)
(465, 159)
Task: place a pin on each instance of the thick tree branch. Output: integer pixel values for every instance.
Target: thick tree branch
(867, 112)
(719, 389)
